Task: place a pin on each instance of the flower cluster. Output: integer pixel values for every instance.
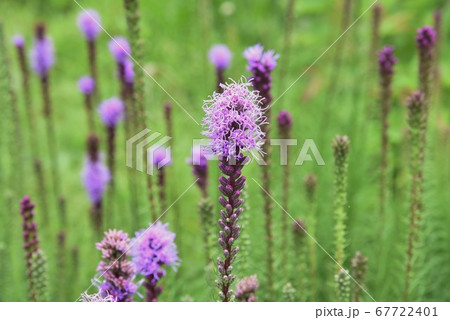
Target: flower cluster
(96, 297)
(199, 164)
(117, 271)
(18, 41)
(111, 112)
(386, 60)
(42, 53)
(284, 120)
(261, 64)
(95, 178)
(89, 24)
(246, 289)
(233, 120)
(426, 37)
(86, 84)
(160, 157)
(121, 51)
(220, 56)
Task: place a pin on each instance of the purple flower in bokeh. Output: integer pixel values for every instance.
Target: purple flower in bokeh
(160, 157)
(18, 41)
(426, 37)
(246, 289)
(111, 111)
(86, 84)
(233, 120)
(284, 120)
(220, 56)
(128, 71)
(120, 49)
(117, 271)
(89, 24)
(199, 163)
(154, 248)
(95, 178)
(386, 60)
(261, 64)
(42, 53)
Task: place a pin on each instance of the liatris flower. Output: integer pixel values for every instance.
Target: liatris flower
(342, 285)
(426, 40)
(96, 297)
(161, 158)
(310, 183)
(111, 111)
(437, 18)
(386, 62)
(89, 24)
(86, 85)
(246, 289)
(284, 120)
(232, 122)
(154, 249)
(359, 269)
(220, 57)
(341, 146)
(301, 249)
(95, 178)
(289, 292)
(261, 64)
(34, 256)
(116, 269)
(132, 16)
(417, 110)
(42, 59)
(199, 164)
(376, 22)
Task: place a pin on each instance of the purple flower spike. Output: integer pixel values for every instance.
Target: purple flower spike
(86, 85)
(426, 37)
(42, 58)
(18, 41)
(284, 121)
(220, 56)
(128, 71)
(111, 111)
(199, 163)
(120, 49)
(89, 24)
(246, 289)
(386, 60)
(160, 157)
(233, 120)
(154, 248)
(95, 178)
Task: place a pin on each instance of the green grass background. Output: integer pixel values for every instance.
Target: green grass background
(177, 36)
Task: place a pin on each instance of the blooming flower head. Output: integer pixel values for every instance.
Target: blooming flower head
(120, 49)
(86, 84)
(117, 271)
(246, 289)
(160, 157)
(111, 111)
(18, 41)
(284, 120)
(128, 71)
(233, 120)
(386, 60)
(42, 53)
(260, 60)
(95, 179)
(426, 37)
(89, 24)
(153, 249)
(96, 297)
(220, 56)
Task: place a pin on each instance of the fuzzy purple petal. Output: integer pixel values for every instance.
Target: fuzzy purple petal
(220, 56)
(111, 111)
(89, 24)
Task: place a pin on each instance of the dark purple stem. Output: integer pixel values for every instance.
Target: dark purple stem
(153, 290)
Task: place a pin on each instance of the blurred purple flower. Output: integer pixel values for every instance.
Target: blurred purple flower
(86, 84)
(42, 53)
(220, 56)
(18, 41)
(111, 111)
(95, 178)
(89, 24)
(284, 120)
(426, 37)
(160, 157)
(96, 297)
(153, 249)
(233, 120)
(246, 289)
(386, 60)
(128, 71)
(199, 163)
(120, 49)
